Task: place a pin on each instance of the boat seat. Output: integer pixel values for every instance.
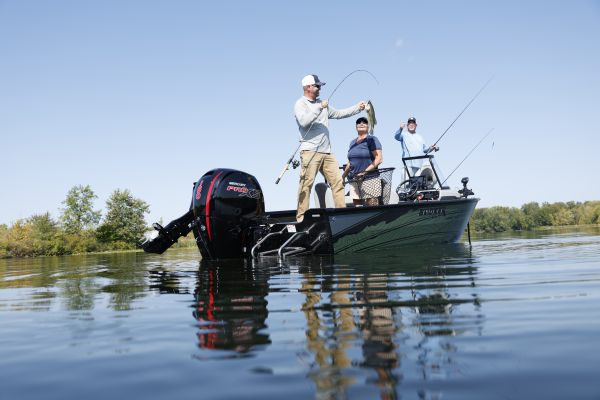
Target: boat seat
(322, 196)
(427, 171)
(394, 199)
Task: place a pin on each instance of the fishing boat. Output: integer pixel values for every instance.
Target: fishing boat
(228, 218)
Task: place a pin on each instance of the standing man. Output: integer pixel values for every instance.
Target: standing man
(312, 116)
(413, 145)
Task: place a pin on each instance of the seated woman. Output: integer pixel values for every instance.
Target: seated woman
(364, 156)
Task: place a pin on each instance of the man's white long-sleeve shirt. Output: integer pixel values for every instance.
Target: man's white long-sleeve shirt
(413, 145)
(313, 123)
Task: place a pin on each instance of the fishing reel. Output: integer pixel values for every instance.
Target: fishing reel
(294, 163)
(465, 191)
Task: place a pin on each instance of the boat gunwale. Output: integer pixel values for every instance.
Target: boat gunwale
(335, 211)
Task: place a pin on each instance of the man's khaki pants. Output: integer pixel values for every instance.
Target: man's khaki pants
(326, 164)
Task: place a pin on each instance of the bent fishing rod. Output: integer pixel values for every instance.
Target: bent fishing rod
(463, 160)
(291, 161)
(464, 109)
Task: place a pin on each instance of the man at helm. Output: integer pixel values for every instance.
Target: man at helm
(413, 144)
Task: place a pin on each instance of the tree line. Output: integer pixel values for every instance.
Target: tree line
(533, 215)
(80, 228)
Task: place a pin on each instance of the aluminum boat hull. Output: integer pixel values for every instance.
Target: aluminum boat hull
(368, 229)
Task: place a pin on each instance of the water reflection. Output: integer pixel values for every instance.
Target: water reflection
(379, 326)
(231, 307)
(394, 307)
(166, 281)
(78, 282)
(127, 277)
(408, 324)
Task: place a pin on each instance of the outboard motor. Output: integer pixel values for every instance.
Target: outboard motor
(225, 204)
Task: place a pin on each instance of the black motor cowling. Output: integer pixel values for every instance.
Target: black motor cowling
(225, 204)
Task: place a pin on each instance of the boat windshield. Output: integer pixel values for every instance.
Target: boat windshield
(427, 167)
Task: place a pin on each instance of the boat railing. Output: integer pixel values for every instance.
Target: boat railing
(427, 168)
(289, 235)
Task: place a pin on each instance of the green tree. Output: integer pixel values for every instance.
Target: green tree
(494, 219)
(588, 213)
(45, 238)
(19, 239)
(531, 215)
(124, 225)
(79, 213)
(544, 214)
(559, 214)
(35, 236)
(3, 240)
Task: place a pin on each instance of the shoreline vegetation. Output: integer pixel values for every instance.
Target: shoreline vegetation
(533, 216)
(80, 229)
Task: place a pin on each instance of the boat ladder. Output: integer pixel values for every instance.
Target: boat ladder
(285, 249)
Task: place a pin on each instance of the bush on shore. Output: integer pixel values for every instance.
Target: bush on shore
(533, 215)
(80, 228)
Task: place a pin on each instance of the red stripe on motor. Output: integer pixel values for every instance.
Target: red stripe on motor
(207, 207)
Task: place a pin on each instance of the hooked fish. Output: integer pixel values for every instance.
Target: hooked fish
(371, 116)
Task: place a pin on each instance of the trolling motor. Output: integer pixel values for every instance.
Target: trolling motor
(465, 192)
(226, 204)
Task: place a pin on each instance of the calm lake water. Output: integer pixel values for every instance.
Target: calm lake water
(511, 318)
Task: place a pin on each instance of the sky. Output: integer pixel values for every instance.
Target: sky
(149, 95)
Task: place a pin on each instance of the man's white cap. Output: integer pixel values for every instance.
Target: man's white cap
(311, 80)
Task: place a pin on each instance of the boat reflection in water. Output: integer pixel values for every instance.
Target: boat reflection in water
(401, 307)
(373, 323)
(231, 307)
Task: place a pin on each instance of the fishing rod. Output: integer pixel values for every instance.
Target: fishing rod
(347, 76)
(472, 150)
(295, 163)
(464, 109)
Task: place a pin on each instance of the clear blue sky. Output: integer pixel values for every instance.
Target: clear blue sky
(149, 95)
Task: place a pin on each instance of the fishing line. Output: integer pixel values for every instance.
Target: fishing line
(291, 159)
(472, 150)
(347, 76)
(464, 109)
